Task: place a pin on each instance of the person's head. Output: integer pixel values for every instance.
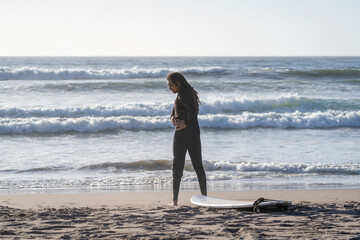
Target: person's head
(176, 81)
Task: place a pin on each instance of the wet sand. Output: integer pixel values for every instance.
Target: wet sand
(328, 214)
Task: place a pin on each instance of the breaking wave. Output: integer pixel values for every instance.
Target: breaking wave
(299, 120)
(35, 73)
(136, 72)
(218, 166)
(218, 106)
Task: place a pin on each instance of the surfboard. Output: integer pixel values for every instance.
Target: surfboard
(261, 203)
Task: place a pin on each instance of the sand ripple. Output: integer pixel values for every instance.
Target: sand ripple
(303, 220)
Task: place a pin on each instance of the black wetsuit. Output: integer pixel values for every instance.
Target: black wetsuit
(187, 139)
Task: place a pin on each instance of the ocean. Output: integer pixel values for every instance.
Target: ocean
(98, 124)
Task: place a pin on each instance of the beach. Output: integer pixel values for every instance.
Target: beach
(109, 109)
(314, 214)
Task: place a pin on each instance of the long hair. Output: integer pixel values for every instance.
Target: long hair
(180, 81)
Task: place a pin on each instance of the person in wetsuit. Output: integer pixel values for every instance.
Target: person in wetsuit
(187, 132)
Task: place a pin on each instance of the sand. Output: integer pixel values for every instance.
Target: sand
(327, 214)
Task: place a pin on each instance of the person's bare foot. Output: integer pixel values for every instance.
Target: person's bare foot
(174, 203)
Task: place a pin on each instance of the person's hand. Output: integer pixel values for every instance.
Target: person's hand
(180, 125)
(173, 120)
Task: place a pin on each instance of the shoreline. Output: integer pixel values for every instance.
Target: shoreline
(154, 199)
(315, 214)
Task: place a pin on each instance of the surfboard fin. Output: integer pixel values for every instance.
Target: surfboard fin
(256, 207)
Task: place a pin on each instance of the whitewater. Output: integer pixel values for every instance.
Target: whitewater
(72, 124)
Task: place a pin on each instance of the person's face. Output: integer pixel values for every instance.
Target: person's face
(173, 87)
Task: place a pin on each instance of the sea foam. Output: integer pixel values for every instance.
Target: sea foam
(328, 119)
(214, 166)
(62, 73)
(282, 104)
(37, 73)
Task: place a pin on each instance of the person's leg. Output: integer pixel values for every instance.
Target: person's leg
(196, 159)
(179, 152)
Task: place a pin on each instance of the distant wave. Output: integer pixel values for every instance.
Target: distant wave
(216, 106)
(281, 73)
(279, 104)
(38, 73)
(299, 120)
(82, 124)
(323, 73)
(93, 111)
(34, 73)
(219, 166)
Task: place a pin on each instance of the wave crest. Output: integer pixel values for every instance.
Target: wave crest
(34, 73)
(218, 106)
(299, 120)
(217, 166)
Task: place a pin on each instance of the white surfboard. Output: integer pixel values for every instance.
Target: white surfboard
(210, 202)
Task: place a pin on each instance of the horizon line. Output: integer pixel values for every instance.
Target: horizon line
(169, 56)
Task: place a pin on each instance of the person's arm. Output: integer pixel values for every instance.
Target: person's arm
(186, 100)
(172, 116)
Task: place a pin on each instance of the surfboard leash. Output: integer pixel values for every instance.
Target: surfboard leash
(257, 203)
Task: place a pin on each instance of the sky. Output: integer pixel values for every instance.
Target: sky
(179, 28)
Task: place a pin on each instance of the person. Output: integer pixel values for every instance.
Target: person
(187, 132)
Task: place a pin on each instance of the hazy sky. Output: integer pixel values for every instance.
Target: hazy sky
(179, 28)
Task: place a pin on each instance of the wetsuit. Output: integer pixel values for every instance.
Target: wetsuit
(187, 139)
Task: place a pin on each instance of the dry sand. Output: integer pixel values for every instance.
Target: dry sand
(328, 214)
